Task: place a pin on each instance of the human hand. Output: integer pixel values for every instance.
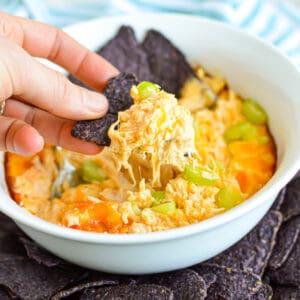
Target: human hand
(41, 103)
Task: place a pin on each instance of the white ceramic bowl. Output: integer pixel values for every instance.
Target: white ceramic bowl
(252, 68)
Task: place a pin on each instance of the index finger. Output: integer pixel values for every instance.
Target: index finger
(49, 42)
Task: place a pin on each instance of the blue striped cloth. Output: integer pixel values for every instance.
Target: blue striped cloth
(275, 21)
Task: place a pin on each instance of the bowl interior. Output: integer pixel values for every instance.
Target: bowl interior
(251, 67)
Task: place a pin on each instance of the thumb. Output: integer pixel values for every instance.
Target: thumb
(19, 137)
(27, 79)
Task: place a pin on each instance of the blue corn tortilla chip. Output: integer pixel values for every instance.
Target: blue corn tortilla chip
(40, 255)
(95, 130)
(168, 65)
(10, 244)
(264, 293)
(185, 284)
(209, 279)
(28, 280)
(285, 242)
(253, 251)
(4, 295)
(230, 283)
(279, 200)
(83, 286)
(7, 225)
(141, 291)
(125, 53)
(291, 204)
(117, 91)
(95, 280)
(289, 272)
(286, 293)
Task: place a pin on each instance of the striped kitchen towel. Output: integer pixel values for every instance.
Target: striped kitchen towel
(275, 21)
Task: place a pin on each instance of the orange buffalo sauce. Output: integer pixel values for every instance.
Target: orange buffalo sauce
(253, 163)
(88, 216)
(15, 166)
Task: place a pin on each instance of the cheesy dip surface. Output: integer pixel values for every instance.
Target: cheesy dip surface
(170, 163)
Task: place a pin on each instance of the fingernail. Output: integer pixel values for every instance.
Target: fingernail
(95, 103)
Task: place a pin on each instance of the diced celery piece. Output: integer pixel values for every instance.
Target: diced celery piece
(249, 132)
(233, 133)
(146, 89)
(240, 131)
(158, 195)
(200, 176)
(91, 171)
(228, 197)
(254, 112)
(165, 208)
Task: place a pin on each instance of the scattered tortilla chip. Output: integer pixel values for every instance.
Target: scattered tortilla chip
(11, 245)
(95, 130)
(264, 293)
(26, 279)
(286, 239)
(291, 204)
(209, 279)
(95, 279)
(230, 283)
(4, 295)
(168, 65)
(40, 255)
(117, 91)
(83, 286)
(286, 293)
(253, 251)
(142, 291)
(185, 284)
(289, 272)
(121, 279)
(279, 200)
(125, 53)
(7, 225)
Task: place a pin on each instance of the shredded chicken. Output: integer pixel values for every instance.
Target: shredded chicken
(150, 135)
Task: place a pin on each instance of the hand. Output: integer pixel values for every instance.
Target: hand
(42, 102)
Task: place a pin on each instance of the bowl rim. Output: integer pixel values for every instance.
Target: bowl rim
(271, 188)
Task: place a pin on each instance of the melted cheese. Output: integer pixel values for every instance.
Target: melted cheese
(152, 133)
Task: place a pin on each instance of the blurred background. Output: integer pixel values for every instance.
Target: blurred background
(276, 21)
